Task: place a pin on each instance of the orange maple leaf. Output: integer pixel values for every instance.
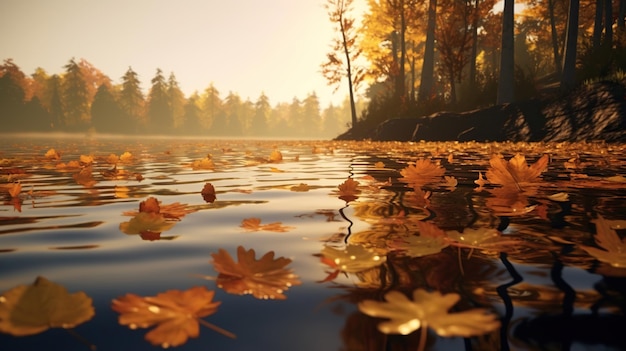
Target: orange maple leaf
(266, 278)
(516, 171)
(175, 313)
(254, 225)
(422, 172)
(174, 211)
(348, 190)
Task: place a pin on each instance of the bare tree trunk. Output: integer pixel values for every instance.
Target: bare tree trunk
(555, 39)
(349, 72)
(597, 24)
(621, 18)
(608, 22)
(428, 66)
(507, 60)
(474, 53)
(568, 76)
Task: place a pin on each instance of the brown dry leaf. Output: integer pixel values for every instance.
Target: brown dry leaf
(15, 189)
(421, 173)
(174, 211)
(85, 177)
(32, 309)
(254, 225)
(614, 252)
(348, 190)
(516, 171)
(266, 278)
(428, 309)
(175, 313)
(208, 193)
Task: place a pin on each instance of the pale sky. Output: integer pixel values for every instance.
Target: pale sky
(244, 46)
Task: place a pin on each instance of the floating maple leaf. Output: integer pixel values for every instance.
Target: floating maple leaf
(352, 259)
(148, 225)
(254, 225)
(348, 190)
(205, 163)
(175, 313)
(15, 189)
(173, 211)
(52, 154)
(266, 278)
(276, 156)
(421, 173)
(516, 171)
(32, 309)
(85, 177)
(614, 252)
(428, 309)
(430, 241)
(300, 188)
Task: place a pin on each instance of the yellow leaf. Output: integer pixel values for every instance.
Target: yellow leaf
(52, 154)
(126, 156)
(276, 156)
(32, 309)
(421, 173)
(15, 189)
(352, 259)
(614, 252)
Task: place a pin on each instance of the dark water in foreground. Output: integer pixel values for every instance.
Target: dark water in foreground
(516, 250)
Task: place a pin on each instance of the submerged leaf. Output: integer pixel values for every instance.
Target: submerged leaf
(175, 313)
(352, 259)
(254, 225)
(428, 309)
(266, 278)
(32, 309)
(614, 252)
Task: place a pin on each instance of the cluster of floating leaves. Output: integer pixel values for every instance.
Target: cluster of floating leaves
(514, 188)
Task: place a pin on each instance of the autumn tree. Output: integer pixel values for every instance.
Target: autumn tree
(12, 96)
(176, 102)
(428, 66)
(341, 61)
(262, 110)
(507, 61)
(132, 100)
(193, 115)
(568, 72)
(106, 114)
(233, 114)
(75, 97)
(158, 109)
(213, 110)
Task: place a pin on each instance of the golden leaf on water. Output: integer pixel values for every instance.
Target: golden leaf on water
(175, 314)
(516, 171)
(85, 177)
(173, 211)
(265, 278)
(352, 259)
(606, 237)
(300, 188)
(86, 159)
(422, 172)
(52, 154)
(32, 309)
(112, 159)
(254, 225)
(205, 163)
(126, 157)
(428, 309)
(276, 156)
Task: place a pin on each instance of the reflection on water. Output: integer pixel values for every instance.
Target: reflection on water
(276, 244)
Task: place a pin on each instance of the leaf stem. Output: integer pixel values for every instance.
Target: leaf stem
(80, 338)
(423, 335)
(217, 329)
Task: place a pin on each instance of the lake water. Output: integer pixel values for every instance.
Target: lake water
(518, 251)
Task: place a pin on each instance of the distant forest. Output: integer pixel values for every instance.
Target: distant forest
(405, 57)
(84, 99)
